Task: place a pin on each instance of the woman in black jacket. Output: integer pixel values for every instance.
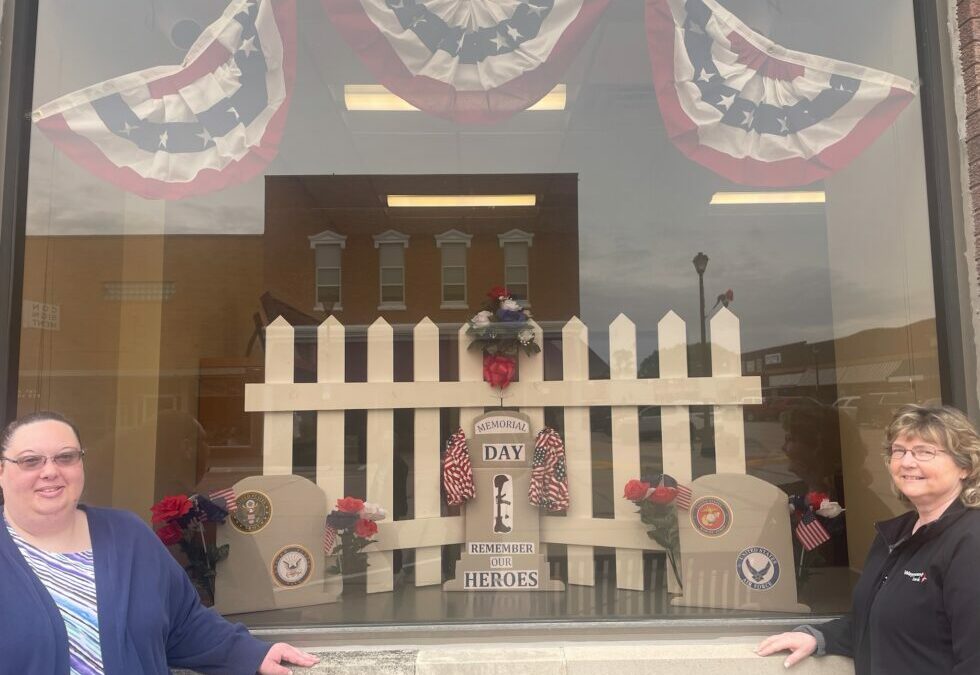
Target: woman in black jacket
(916, 608)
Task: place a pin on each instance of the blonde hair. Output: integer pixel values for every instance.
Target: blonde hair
(949, 429)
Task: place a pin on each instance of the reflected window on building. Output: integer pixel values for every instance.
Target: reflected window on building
(516, 277)
(453, 247)
(328, 247)
(391, 247)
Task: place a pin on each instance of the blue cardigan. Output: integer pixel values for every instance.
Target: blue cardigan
(150, 616)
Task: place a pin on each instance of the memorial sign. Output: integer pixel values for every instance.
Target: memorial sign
(276, 557)
(503, 544)
(736, 546)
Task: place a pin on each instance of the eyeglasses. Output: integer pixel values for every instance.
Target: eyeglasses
(921, 453)
(35, 462)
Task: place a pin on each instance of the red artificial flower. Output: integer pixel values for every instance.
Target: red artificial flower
(815, 499)
(498, 292)
(636, 490)
(662, 495)
(170, 508)
(499, 370)
(170, 534)
(365, 529)
(350, 504)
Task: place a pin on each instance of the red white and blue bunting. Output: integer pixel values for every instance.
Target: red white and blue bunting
(175, 131)
(471, 61)
(750, 110)
(755, 112)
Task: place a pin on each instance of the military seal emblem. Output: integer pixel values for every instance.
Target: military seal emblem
(253, 513)
(758, 568)
(711, 516)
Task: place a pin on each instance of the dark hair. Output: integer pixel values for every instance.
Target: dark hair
(31, 418)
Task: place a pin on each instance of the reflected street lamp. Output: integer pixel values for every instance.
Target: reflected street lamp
(700, 265)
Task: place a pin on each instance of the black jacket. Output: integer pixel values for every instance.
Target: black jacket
(916, 607)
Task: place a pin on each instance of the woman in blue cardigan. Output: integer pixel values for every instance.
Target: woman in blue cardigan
(92, 591)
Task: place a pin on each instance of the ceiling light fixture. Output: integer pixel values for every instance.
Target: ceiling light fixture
(736, 198)
(366, 97)
(440, 201)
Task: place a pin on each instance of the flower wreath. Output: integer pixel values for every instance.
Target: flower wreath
(501, 330)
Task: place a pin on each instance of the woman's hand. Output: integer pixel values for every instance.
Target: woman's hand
(800, 646)
(283, 653)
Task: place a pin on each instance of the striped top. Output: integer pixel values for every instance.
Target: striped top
(70, 579)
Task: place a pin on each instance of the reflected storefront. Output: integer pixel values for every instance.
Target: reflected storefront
(262, 262)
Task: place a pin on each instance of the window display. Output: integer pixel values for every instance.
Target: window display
(260, 238)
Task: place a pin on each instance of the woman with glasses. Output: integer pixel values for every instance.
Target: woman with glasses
(87, 590)
(916, 607)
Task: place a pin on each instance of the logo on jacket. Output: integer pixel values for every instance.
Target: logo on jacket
(758, 568)
(711, 516)
(916, 577)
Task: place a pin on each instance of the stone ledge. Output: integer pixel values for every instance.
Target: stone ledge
(722, 656)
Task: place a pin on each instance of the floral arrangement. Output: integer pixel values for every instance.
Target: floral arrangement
(181, 519)
(501, 330)
(655, 499)
(820, 504)
(351, 527)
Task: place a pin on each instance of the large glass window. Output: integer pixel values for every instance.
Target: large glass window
(685, 191)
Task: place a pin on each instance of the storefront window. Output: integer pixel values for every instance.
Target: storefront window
(714, 210)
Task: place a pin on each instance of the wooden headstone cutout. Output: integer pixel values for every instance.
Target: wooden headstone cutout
(276, 555)
(736, 546)
(502, 551)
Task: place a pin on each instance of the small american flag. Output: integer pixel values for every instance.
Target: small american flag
(226, 497)
(811, 532)
(329, 537)
(457, 471)
(683, 499)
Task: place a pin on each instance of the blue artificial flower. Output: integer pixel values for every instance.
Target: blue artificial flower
(510, 315)
(341, 520)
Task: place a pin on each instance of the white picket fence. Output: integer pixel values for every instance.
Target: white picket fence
(726, 390)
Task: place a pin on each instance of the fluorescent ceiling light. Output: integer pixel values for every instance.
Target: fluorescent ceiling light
(815, 197)
(360, 97)
(460, 200)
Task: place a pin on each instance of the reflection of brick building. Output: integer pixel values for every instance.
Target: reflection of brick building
(333, 245)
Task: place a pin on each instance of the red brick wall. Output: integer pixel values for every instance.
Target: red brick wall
(968, 19)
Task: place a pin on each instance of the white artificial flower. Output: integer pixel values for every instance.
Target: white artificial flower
(510, 305)
(829, 509)
(481, 318)
(525, 336)
(372, 512)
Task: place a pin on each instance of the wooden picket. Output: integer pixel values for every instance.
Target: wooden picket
(726, 390)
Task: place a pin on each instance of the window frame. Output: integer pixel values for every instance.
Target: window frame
(445, 242)
(326, 239)
(392, 239)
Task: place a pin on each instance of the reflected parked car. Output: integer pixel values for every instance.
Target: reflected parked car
(877, 409)
(848, 406)
(773, 408)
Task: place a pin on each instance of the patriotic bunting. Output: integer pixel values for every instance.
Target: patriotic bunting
(549, 475)
(755, 112)
(174, 131)
(471, 61)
